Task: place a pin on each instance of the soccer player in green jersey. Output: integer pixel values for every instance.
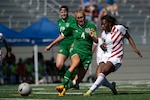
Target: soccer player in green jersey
(65, 38)
(84, 33)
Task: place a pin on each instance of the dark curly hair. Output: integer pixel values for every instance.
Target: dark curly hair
(112, 20)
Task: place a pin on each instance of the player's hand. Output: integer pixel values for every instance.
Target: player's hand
(138, 52)
(103, 46)
(47, 48)
(91, 33)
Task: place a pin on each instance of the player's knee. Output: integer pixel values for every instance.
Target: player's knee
(59, 65)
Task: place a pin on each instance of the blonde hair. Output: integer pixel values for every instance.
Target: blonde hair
(79, 11)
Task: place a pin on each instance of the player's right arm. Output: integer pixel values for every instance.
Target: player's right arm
(58, 39)
(127, 35)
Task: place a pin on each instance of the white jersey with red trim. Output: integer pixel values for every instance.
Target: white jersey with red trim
(114, 43)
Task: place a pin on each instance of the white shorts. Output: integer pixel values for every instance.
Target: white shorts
(117, 62)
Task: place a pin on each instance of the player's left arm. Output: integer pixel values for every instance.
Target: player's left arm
(127, 35)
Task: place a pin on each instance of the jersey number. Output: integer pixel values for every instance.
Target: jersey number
(83, 35)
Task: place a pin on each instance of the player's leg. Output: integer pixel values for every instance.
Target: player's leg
(82, 68)
(61, 57)
(96, 84)
(106, 83)
(75, 60)
(81, 71)
(100, 79)
(112, 85)
(60, 60)
(99, 68)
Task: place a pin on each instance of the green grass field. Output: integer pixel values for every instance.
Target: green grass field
(48, 92)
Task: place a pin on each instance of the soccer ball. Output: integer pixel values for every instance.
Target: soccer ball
(24, 89)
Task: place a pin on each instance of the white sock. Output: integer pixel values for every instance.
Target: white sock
(97, 83)
(107, 83)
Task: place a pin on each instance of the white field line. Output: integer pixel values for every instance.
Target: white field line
(56, 92)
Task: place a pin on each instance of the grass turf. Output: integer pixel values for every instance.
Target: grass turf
(48, 92)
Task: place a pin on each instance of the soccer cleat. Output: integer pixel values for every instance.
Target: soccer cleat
(60, 88)
(88, 93)
(114, 88)
(62, 93)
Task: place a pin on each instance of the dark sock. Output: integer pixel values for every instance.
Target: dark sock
(62, 71)
(66, 77)
(69, 85)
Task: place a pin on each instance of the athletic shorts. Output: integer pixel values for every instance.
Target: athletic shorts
(65, 50)
(84, 58)
(116, 62)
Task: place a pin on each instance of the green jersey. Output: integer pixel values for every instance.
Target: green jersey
(63, 25)
(82, 40)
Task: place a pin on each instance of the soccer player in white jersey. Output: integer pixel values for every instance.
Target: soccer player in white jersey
(100, 59)
(112, 46)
